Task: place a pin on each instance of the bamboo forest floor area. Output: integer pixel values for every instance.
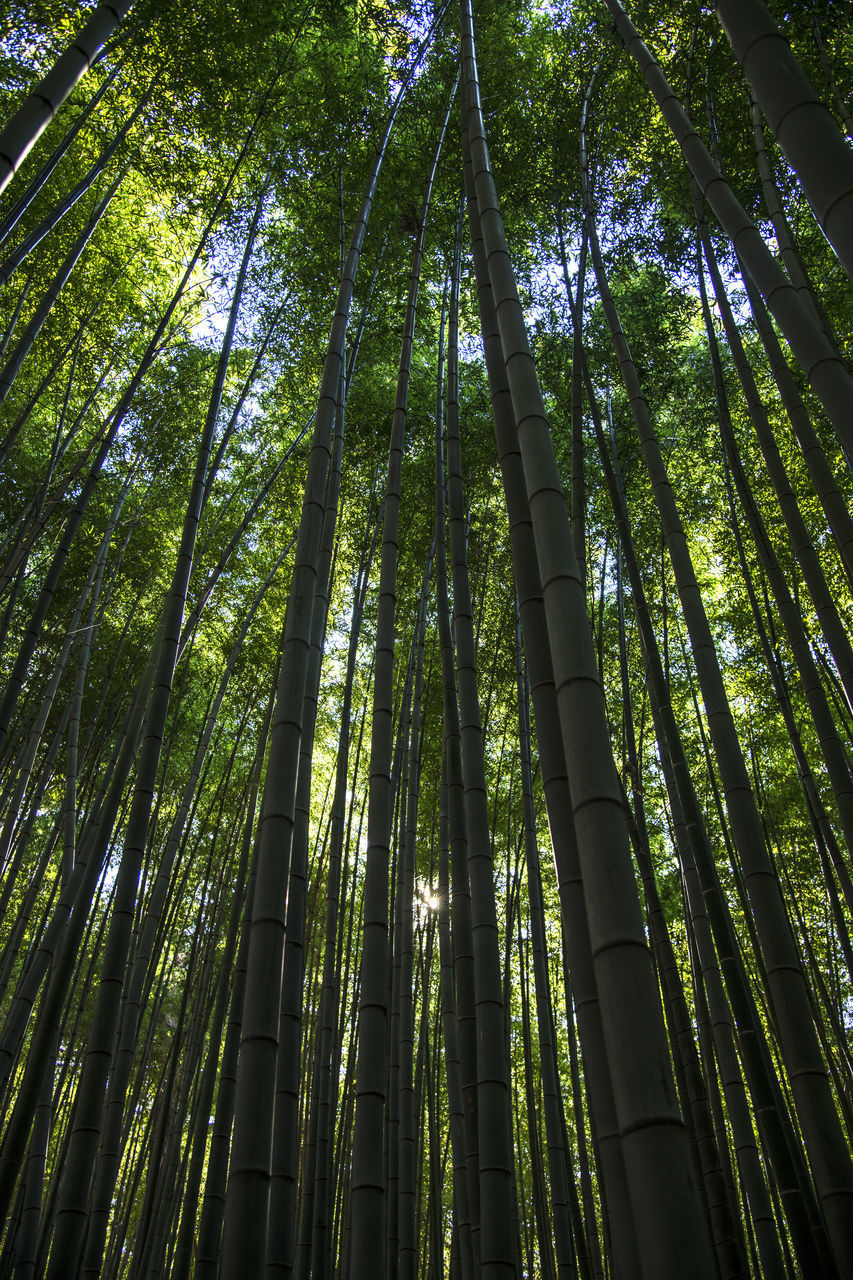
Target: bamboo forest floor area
(426, 675)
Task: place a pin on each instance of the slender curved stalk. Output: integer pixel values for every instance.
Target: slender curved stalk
(245, 1232)
(826, 372)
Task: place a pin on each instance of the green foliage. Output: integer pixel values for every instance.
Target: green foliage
(308, 89)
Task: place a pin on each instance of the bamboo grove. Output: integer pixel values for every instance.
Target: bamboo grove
(426, 691)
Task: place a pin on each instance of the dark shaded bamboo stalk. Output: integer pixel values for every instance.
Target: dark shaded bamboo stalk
(817, 358)
(830, 1157)
(245, 1233)
(666, 1205)
(367, 1189)
(804, 128)
(42, 103)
